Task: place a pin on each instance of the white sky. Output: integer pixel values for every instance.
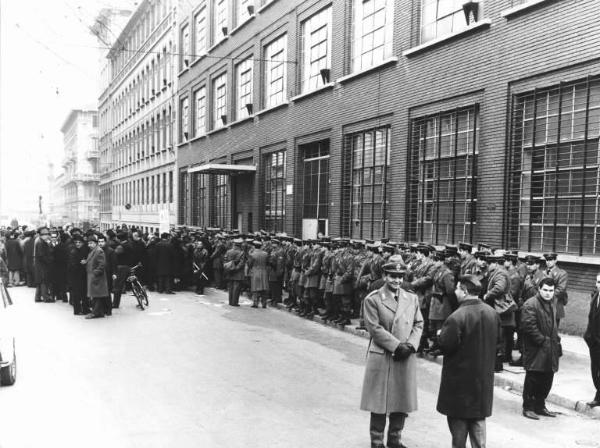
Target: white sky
(49, 64)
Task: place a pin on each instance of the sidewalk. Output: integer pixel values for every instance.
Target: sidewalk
(572, 387)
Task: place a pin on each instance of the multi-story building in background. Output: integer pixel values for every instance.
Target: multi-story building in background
(137, 111)
(427, 120)
(56, 213)
(80, 163)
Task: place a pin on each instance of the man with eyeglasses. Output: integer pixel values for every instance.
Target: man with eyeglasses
(394, 321)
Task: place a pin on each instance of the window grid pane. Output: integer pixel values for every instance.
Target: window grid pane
(200, 40)
(441, 17)
(244, 88)
(242, 10)
(276, 72)
(442, 188)
(200, 118)
(316, 49)
(275, 191)
(554, 173)
(221, 201)
(220, 101)
(372, 31)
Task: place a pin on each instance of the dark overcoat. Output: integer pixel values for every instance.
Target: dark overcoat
(391, 386)
(468, 341)
(165, 258)
(343, 273)
(95, 267)
(14, 255)
(540, 335)
(235, 254)
(259, 277)
(41, 261)
(592, 332)
(561, 297)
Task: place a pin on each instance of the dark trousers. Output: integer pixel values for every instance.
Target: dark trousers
(234, 288)
(42, 292)
(536, 389)
(508, 342)
(461, 428)
(595, 364)
(164, 283)
(218, 273)
(81, 304)
(98, 306)
(377, 427)
(275, 291)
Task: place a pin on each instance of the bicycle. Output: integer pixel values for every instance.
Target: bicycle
(137, 289)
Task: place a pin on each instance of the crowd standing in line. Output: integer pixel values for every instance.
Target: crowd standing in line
(339, 279)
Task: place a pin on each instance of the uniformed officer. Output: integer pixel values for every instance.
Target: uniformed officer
(394, 321)
(561, 283)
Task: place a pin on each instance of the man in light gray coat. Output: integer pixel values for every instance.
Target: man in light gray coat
(394, 321)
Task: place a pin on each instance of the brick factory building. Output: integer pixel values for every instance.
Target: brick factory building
(433, 120)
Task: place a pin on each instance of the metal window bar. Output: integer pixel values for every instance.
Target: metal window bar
(556, 170)
(533, 138)
(439, 163)
(585, 154)
(472, 210)
(454, 164)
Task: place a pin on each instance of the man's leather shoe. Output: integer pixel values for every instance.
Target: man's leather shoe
(594, 403)
(530, 414)
(546, 413)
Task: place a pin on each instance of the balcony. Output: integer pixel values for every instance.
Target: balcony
(93, 154)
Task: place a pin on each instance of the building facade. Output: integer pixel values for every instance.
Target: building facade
(430, 120)
(80, 163)
(137, 112)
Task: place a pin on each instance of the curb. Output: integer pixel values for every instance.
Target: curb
(500, 380)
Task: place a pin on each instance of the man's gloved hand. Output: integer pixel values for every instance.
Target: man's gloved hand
(403, 351)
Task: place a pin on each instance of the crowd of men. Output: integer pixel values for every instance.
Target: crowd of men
(325, 276)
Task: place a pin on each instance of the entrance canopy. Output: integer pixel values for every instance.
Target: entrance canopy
(222, 168)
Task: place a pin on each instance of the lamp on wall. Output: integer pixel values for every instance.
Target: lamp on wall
(325, 74)
(249, 108)
(250, 9)
(224, 30)
(224, 119)
(471, 10)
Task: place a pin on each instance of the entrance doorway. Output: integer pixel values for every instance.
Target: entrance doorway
(315, 189)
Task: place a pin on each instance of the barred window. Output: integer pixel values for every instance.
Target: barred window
(373, 29)
(220, 17)
(200, 117)
(243, 73)
(442, 195)
(440, 18)
(243, 10)
(198, 199)
(368, 154)
(200, 40)
(316, 180)
(553, 169)
(276, 72)
(274, 205)
(220, 101)
(222, 212)
(184, 197)
(316, 49)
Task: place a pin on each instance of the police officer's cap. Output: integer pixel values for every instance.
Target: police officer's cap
(495, 258)
(465, 246)
(550, 256)
(394, 268)
(388, 247)
(532, 259)
(238, 241)
(451, 249)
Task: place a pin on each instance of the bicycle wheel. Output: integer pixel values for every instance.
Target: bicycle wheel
(135, 287)
(144, 294)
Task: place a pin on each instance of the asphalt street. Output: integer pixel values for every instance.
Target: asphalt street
(191, 371)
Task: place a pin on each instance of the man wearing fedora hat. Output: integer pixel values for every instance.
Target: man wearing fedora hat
(394, 321)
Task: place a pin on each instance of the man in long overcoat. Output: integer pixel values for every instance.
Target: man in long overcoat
(97, 285)
(235, 259)
(165, 256)
(468, 341)
(14, 262)
(592, 339)
(42, 259)
(77, 276)
(541, 350)
(259, 277)
(393, 319)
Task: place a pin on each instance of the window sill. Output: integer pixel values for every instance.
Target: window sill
(241, 25)
(565, 258)
(241, 120)
(181, 72)
(223, 39)
(195, 139)
(272, 108)
(300, 97)
(482, 24)
(385, 62)
(519, 9)
(265, 6)
(198, 59)
(215, 131)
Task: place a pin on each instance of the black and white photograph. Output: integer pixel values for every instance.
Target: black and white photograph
(299, 223)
